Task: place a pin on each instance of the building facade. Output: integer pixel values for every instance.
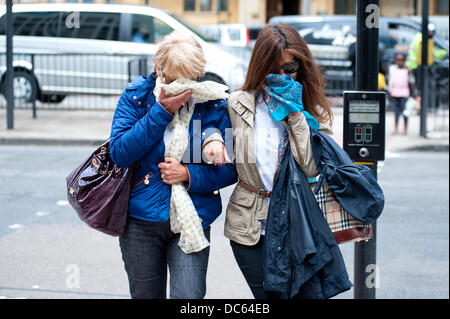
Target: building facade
(254, 12)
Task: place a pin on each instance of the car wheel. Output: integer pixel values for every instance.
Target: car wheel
(25, 87)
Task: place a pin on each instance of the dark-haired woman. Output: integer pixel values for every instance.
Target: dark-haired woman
(280, 100)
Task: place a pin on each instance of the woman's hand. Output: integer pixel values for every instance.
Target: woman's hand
(172, 171)
(292, 115)
(216, 153)
(174, 103)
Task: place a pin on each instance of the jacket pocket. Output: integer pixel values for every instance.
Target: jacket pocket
(240, 210)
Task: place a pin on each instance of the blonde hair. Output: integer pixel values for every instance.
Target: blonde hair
(180, 55)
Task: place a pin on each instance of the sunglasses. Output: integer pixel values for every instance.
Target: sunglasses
(291, 67)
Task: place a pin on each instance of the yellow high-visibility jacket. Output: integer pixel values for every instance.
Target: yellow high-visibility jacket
(414, 54)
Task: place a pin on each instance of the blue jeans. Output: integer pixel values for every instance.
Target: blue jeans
(148, 248)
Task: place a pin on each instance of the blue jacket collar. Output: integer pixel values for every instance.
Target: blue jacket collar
(150, 82)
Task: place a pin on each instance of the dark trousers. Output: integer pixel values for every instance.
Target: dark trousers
(249, 260)
(398, 105)
(148, 248)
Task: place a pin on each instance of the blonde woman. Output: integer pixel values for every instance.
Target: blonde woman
(141, 132)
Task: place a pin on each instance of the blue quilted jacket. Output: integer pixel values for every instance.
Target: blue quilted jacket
(137, 134)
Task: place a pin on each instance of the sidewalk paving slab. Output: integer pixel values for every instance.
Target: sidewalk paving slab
(62, 127)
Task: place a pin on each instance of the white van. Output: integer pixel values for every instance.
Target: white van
(81, 48)
(233, 34)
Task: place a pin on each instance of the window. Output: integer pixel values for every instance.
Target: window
(147, 29)
(234, 34)
(400, 36)
(442, 7)
(3, 25)
(212, 33)
(41, 24)
(161, 29)
(338, 33)
(205, 5)
(90, 25)
(344, 6)
(222, 5)
(189, 5)
(191, 28)
(254, 31)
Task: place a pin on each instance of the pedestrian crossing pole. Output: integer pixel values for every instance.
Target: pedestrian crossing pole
(9, 80)
(423, 71)
(367, 57)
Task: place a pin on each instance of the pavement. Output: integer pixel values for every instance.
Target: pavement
(54, 245)
(84, 127)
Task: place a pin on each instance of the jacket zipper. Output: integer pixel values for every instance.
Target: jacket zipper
(144, 180)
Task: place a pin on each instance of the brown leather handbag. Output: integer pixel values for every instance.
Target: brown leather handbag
(99, 192)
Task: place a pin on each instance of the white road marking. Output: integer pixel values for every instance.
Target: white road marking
(15, 226)
(40, 214)
(391, 155)
(62, 203)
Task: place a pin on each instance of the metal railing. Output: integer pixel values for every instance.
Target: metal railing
(438, 104)
(71, 81)
(94, 81)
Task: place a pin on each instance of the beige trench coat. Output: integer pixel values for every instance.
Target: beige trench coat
(246, 209)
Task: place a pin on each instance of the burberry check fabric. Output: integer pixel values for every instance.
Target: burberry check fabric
(338, 219)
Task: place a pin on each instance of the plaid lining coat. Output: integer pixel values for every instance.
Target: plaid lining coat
(300, 255)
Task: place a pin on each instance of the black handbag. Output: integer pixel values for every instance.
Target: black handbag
(99, 191)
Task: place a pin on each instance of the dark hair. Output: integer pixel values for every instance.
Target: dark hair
(267, 57)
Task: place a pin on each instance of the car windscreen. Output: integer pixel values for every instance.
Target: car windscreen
(195, 30)
(338, 33)
(254, 32)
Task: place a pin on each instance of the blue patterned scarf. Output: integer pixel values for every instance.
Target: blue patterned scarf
(284, 96)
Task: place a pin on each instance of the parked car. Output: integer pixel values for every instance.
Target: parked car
(228, 34)
(331, 40)
(440, 22)
(87, 48)
(254, 31)
(339, 31)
